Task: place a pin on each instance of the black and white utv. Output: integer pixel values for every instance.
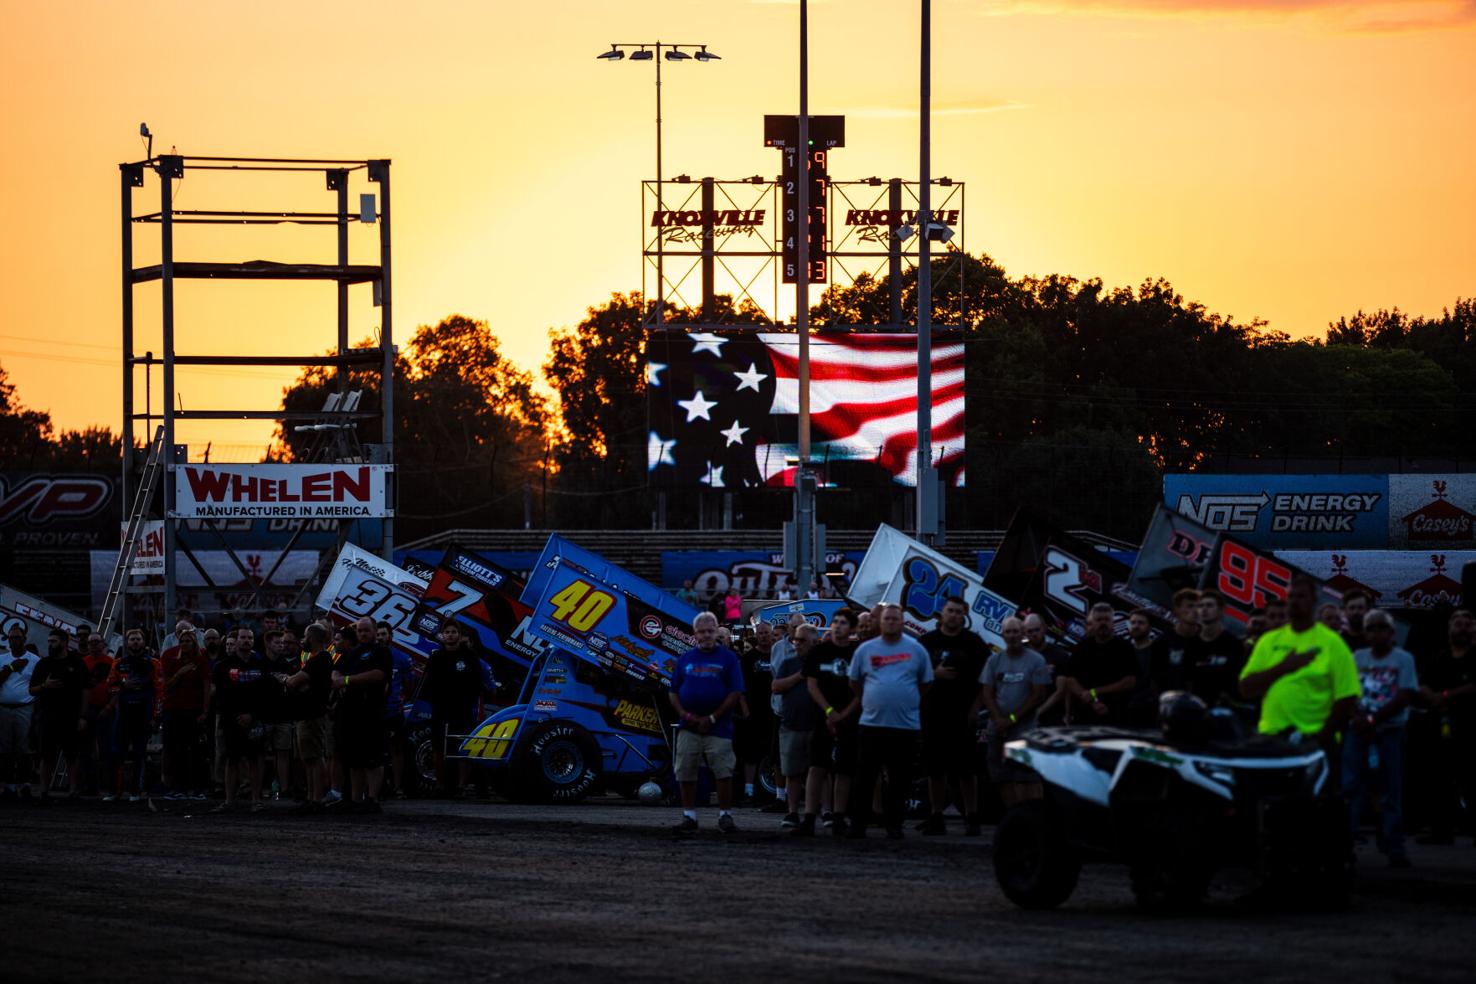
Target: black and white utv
(1176, 806)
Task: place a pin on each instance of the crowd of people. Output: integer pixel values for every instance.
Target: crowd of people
(844, 716)
(320, 714)
(839, 709)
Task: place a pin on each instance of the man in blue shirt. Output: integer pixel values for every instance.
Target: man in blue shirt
(705, 687)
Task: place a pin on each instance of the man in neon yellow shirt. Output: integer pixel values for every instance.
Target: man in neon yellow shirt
(1303, 672)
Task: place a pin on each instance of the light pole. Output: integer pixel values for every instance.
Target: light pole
(657, 51)
(804, 498)
(927, 506)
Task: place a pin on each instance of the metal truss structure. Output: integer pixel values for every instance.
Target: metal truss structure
(340, 417)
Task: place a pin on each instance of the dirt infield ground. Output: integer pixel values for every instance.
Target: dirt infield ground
(443, 891)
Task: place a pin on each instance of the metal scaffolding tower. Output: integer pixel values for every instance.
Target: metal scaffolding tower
(342, 414)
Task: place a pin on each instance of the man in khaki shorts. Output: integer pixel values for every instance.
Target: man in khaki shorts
(705, 687)
(798, 718)
(310, 687)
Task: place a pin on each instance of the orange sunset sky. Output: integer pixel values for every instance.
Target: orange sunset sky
(1287, 159)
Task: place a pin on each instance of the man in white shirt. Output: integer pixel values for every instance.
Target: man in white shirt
(16, 665)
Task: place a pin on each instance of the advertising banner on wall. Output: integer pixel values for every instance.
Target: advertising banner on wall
(1290, 511)
(223, 573)
(1434, 511)
(281, 491)
(148, 558)
(58, 511)
(755, 573)
(1392, 578)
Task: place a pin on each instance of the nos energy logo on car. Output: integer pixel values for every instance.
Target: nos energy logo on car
(1287, 511)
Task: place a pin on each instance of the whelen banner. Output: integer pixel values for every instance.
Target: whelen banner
(293, 491)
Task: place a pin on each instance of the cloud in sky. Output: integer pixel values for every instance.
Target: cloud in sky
(1346, 15)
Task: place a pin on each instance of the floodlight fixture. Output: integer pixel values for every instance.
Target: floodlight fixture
(904, 233)
(706, 56)
(676, 54)
(642, 55)
(614, 54)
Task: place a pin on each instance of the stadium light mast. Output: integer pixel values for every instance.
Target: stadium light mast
(927, 492)
(804, 493)
(658, 51)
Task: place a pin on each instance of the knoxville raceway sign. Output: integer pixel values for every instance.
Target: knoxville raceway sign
(292, 491)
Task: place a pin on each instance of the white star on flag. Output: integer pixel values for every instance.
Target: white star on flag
(734, 434)
(658, 452)
(706, 340)
(653, 373)
(714, 476)
(697, 406)
(751, 378)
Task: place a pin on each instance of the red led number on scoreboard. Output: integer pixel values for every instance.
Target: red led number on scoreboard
(1249, 578)
(580, 606)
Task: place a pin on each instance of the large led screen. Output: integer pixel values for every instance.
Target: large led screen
(724, 408)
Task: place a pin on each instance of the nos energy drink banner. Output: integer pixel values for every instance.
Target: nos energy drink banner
(1336, 512)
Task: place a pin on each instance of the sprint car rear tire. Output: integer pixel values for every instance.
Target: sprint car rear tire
(421, 752)
(558, 762)
(1035, 865)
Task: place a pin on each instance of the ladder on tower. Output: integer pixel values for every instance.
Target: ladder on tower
(131, 535)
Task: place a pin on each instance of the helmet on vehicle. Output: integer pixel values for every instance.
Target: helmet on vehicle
(1183, 717)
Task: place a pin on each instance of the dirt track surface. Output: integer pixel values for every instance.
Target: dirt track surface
(451, 891)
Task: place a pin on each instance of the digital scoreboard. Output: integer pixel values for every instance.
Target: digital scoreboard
(826, 133)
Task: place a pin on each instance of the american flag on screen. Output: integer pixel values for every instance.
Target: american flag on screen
(724, 408)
